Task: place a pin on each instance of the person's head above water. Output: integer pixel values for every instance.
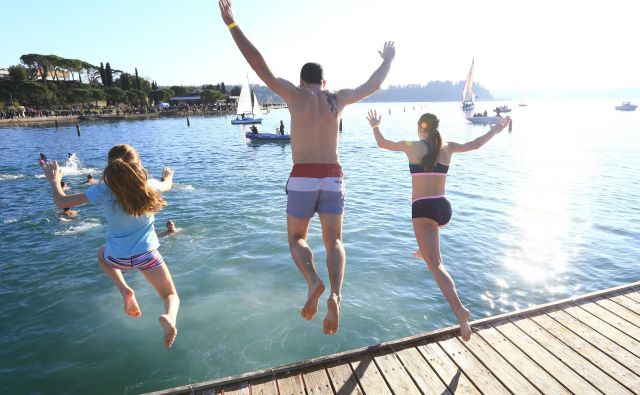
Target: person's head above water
(89, 177)
(127, 179)
(428, 131)
(171, 226)
(312, 74)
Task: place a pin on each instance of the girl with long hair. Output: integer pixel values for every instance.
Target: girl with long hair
(429, 160)
(130, 200)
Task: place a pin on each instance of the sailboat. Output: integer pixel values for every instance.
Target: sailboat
(247, 113)
(468, 96)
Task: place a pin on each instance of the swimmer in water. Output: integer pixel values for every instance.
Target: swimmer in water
(90, 180)
(171, 228)
(68, 213)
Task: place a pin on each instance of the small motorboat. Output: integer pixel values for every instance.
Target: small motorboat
(626, 106)
(501, 109)
(245, 121)
(484, 120)
(268, 136)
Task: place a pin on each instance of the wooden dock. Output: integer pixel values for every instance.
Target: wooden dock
(584, 345)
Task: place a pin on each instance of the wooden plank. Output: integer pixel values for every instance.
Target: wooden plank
(316, 381)
(520, 361)
(394, 373)
(597, 358)
(210, 391)
(238, 388)
(611, 318)
(343, 380)
(606, 329)
(508, 376)
(366, 371)
(263, 386)
(578, 363)
(603, 343)
(422, 374)
(290, 383)
(620, 311)
(633, 295)
(630, 304)
(477, 373)
(572, 381)
(455, 380)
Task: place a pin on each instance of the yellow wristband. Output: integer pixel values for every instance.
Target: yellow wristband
(232, 25)
(376, 126)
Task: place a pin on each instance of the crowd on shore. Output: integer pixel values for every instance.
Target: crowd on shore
(95, 111)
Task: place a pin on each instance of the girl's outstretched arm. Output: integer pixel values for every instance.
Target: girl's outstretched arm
(374, 121)
(53, 173)
(480, 141)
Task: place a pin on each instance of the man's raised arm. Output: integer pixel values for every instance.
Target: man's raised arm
(280, 86)
(349, 96)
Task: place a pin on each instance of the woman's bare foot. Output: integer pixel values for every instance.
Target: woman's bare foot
(311, 306)
(465, 329)
(131, 304)
(417, 254)
(169, 329)
(332, 319)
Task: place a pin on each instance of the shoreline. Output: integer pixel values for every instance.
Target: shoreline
(71, 119)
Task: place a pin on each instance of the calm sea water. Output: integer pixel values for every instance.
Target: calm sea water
(548, 211)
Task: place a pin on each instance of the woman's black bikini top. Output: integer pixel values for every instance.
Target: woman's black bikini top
(439, 169)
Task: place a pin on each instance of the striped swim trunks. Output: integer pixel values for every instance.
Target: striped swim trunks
(315, 187)
(145, 261)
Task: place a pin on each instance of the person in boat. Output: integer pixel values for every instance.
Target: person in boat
(429, 160)
(254, 129)
(129, 199)
(281, 128)
(315, 182)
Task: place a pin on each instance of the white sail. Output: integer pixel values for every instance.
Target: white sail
(244, 101)
(467, 92)
(256, 106)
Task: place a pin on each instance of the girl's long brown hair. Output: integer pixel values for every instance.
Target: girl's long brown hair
(429, 123)
(127, 179)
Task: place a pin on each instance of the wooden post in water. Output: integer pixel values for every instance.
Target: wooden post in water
(56, 121)
(188, 123)
(78, 129)
(340, 128)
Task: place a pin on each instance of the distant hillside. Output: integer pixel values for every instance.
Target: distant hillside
(619, 94)
(433, 91)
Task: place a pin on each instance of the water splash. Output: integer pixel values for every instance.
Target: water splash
(4, 177)
(73, 167)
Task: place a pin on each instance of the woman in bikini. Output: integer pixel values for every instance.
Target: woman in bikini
(429, 161)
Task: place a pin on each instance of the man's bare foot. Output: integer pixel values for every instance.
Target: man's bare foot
(332, 319)
(169, 329)
(131, 304)
(311, 307)
(417, 254)
(465, 329)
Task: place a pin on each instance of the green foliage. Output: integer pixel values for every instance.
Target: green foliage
(124, 81)
(180, 90)
(159, 95)
(33, 93)
(136, 97)
(115, 95)
(235, 91)
(18, 73)
(211, 95)
(80, 96)
(108, 76)
(97, 94)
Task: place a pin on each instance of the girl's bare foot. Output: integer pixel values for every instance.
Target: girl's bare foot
(417, 254)
(131, 304)
(169, 329)
(332, 319)
(311, 306)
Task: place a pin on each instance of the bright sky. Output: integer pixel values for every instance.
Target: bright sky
(518, 45)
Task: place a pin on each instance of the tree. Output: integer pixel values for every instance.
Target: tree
(124, 81)
(159, 95)
(179, 90)
(103, 74)
(97, 94)
(154, 86)
(108, 76)
(39, 65)
(18, 73)
(136, 97)
(211, 95)
(136, 82)
(223, 88)
(115, 95)
(80, 96)
(33, 93)
(235, 91)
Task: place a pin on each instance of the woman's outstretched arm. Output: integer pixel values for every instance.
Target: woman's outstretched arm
(480, 141)
(374, 121)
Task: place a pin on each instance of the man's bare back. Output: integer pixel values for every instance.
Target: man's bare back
(315, 116)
